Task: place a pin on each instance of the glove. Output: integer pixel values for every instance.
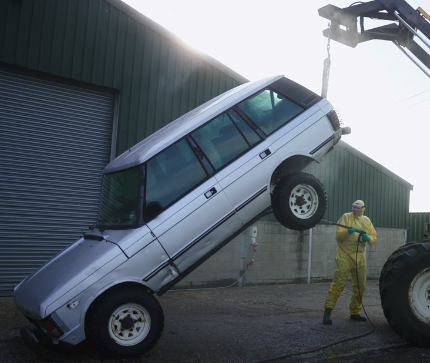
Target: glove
(351, 230)
(365, 238)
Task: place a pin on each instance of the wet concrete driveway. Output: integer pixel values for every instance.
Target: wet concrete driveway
(276, 323)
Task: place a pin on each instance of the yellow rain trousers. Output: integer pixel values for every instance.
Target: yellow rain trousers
(349, 261)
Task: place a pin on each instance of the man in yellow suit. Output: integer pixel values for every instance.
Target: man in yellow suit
(350, 258)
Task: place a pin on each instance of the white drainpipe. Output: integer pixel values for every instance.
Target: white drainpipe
(310, 256)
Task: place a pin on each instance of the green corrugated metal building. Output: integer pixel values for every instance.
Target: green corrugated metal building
(349, 175)
(83, 80)
(80, 82)
(417, 223)
(108, 44)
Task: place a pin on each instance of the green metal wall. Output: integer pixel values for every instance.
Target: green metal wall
(417, 222)
(348, 175)
(109, 44)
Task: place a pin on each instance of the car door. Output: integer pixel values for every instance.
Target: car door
(241, 156)
(246, 180)
(185, 206)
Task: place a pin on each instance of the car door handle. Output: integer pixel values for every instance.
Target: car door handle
(265, 153)
(210, 193)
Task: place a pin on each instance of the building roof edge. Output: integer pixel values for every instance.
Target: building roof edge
(375, 164)
(141, 18)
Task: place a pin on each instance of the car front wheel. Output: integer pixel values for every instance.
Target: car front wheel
(127, 323)
(299, 201)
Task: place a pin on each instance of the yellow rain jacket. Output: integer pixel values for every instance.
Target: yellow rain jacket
(348, 260)
(347, 243)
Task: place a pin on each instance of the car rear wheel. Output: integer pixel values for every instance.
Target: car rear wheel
(127, 322)
(405, 292)
(299, 201)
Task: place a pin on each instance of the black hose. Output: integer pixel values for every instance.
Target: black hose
(361, 232)
(359, 293)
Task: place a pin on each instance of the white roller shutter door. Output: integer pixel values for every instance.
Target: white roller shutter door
(55, 140)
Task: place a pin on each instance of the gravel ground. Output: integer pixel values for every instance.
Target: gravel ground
(255, 324)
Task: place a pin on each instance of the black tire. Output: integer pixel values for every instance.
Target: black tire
(127, 323)
(405, 292)
(299, 201)
(388, 263)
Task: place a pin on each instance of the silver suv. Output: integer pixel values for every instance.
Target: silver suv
(173, 200)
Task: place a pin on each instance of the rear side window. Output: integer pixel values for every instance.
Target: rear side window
(170, 175)
(223, 140)
(250, 135)
(270, 110)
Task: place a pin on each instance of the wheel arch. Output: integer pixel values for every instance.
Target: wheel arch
(288, 165)
(108, 290)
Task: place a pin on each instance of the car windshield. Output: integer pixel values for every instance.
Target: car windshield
(119, 200)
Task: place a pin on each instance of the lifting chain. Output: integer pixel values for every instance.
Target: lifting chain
(326, 69)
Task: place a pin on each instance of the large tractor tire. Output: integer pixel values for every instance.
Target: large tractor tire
(405, 292)
(299, 201)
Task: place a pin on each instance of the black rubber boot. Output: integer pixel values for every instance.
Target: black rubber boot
(327, 317)
(358, 317)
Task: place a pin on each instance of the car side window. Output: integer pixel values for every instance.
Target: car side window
(170, 175)
(270, 110)
(221, 140)
(250, 135)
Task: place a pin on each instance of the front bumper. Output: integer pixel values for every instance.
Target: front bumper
(40, 345)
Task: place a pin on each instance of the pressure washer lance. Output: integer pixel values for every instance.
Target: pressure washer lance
(360, 231)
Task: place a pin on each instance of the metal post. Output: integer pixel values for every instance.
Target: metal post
(243, 248)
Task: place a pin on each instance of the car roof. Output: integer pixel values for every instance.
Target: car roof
(183, 125)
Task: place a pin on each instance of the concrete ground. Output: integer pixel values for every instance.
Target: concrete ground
(255, 324)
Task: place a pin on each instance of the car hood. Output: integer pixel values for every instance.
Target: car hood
(61, 274)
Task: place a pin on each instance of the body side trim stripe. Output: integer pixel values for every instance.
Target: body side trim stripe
(198, 239)
(244, 204)
(321, 145)
(156, 270)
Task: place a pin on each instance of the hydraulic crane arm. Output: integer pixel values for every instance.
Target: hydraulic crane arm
(409, 23)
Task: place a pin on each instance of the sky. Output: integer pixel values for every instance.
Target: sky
(381, 94)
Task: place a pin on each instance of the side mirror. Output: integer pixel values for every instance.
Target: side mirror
(346, 130)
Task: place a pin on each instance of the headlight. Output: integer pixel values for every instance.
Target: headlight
(48, 326)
